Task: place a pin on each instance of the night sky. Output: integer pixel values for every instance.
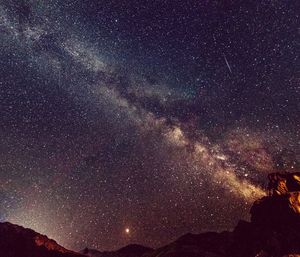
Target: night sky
(138, 121)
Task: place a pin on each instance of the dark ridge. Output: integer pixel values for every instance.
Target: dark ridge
(16, 241)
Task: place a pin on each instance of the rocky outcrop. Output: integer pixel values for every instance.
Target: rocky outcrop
(272, 232)
(16, 241)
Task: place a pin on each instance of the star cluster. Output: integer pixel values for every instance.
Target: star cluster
(138, 121)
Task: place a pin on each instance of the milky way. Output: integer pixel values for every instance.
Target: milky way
(139, 122)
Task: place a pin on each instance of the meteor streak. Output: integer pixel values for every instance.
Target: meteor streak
(227, 63)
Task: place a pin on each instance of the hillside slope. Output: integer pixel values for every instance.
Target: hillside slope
(16, 241)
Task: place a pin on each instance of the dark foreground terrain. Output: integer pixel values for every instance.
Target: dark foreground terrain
(272, 232)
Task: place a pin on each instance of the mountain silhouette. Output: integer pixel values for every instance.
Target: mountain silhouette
(133, 250)
(16, 241)
(273, 231)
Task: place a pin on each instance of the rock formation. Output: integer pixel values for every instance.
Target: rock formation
(16, 241)
(272, 232)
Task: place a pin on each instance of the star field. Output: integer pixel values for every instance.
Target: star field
(138, 121)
